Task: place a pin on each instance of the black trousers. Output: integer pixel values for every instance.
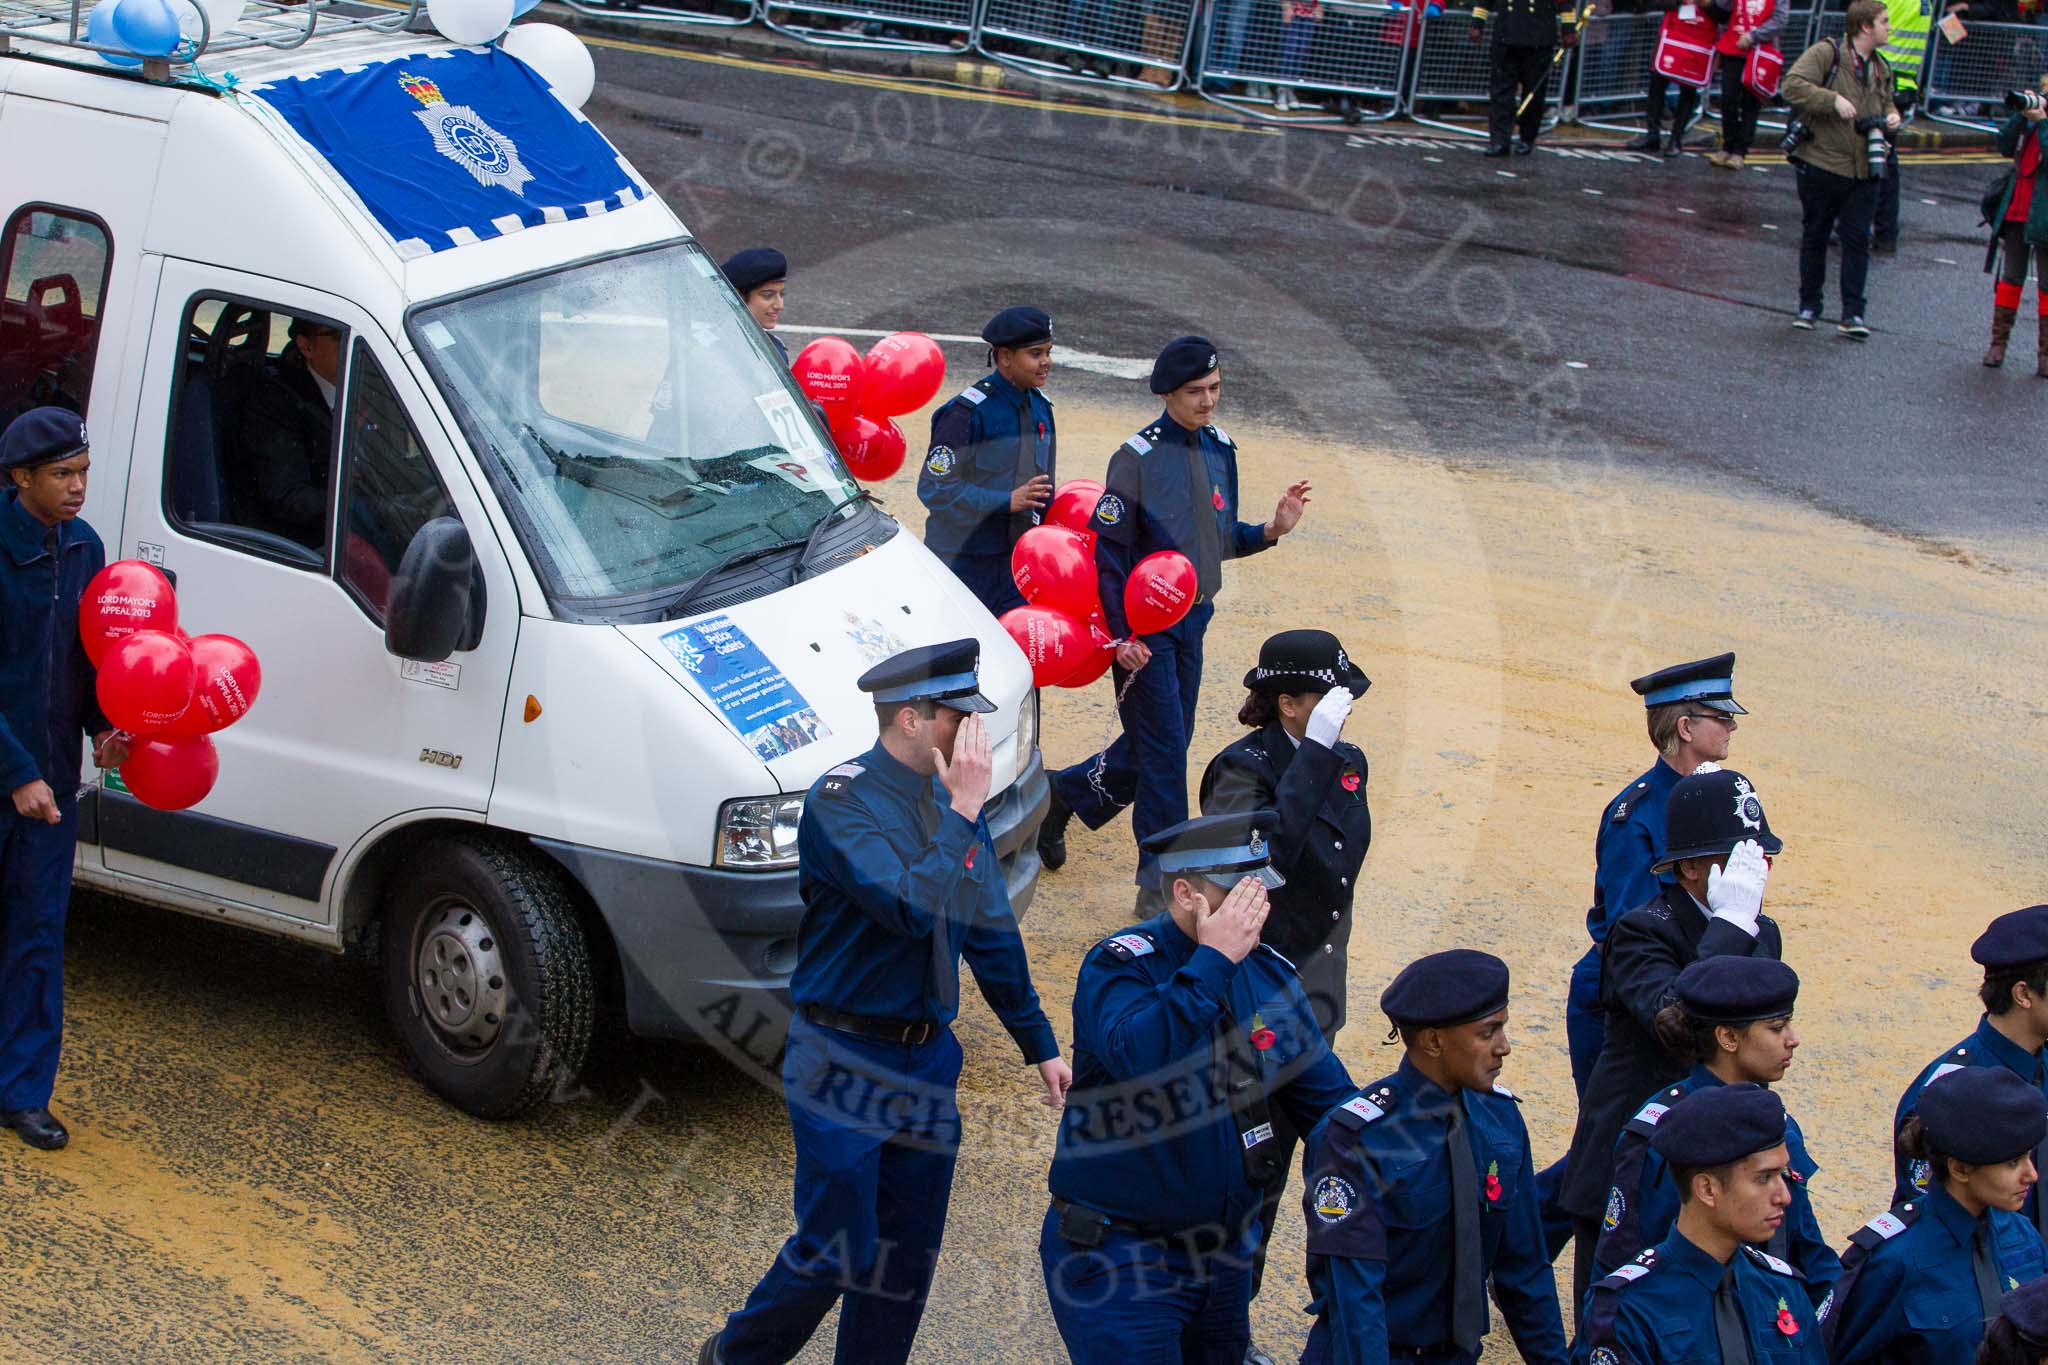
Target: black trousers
(1887, 222)
(1516, 70)
(1688, 103)
(1739, 108)
(2012, 256)
(1834, 204)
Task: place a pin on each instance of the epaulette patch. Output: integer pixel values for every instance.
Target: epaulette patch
(1362, 1109)
(1283, 957)
(1139, 445)
(1620, 810)
(1653, 1111)
(1128, 947)
(1770, 1262)
(1886, 1226)
(838, 780)
(1633, 1271)
(974, 394)
(1506, 1093)
(1223, 436)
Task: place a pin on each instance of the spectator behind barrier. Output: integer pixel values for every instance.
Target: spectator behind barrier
(2019, 227)
(1842, 92)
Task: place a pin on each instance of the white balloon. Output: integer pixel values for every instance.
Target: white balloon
(558, 57)
(471, 23)
(221, 15)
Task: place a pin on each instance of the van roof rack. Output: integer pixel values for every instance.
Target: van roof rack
(266, 27)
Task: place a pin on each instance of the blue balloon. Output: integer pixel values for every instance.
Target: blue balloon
(147, 26)
(520, 7)
(99, 29)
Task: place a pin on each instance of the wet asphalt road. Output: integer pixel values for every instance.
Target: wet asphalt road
(1342, 279)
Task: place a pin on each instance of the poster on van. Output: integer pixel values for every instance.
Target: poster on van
(745, 687)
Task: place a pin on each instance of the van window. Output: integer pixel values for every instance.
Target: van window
(251, 453)
(392, 490)
(53, 274)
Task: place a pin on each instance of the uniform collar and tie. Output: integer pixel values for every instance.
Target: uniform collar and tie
(27, 539)
(2014, 1058)
(897, 776)
(1001, 389)
(1972, 1235)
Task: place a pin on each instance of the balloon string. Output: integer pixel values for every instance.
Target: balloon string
(1101, 763)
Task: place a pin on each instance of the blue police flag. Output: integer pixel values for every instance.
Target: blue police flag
(446, 148)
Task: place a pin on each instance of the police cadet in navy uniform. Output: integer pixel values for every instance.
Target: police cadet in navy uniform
(760, 274)
(900, 880)
(1188, 1035)
(1919, 1283)
(989, 473)
(1706, 1292)
(1717, 847)
(47, 709)
(1732, 1017)
(1420, 1191)
(2013, 951)
(1173, 486)
(1691, 711)
(2019, 1334)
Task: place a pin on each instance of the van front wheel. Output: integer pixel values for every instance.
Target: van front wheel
(487, 975)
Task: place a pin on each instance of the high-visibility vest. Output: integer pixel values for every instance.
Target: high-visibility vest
(1906, 50)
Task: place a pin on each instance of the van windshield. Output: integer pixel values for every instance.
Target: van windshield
(634, 420)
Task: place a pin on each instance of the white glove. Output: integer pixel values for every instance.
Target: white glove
(1735, 891)
(1326, 722)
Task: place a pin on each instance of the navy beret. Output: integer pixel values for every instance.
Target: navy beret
(1709, 682)
(754, 267)
(949, 674)
(1737, 990)
(41, 435)
(1223, 848)
(2026, 1308)
(1018, 327)
(1447, 988)
(2018, 939)
(1182, 360)
(1719, 1124)
(1983, 1115)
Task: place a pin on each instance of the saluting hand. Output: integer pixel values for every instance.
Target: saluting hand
(1031, 496)
(1232, 928)
(1287, 514)
(966, 777)
(1058, 1077)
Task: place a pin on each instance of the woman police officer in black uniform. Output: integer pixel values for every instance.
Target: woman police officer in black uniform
(1293, 762)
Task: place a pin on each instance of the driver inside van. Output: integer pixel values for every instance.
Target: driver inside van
(286, 435)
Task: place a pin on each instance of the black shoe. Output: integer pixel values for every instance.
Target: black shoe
(1854, 328)
(1674, 146)
(1052, 835)
(1524, 147)
(1652, 141)
(1500, 149)
(707, 1354)
(37, 1127)
(1884, 246)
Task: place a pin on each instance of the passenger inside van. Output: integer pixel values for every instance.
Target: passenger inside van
(285, 435)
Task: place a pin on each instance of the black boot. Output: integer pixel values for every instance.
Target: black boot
(1497, 149)
(1651, 141)
(1052, 835)
(707, 1354)
(37, 1127)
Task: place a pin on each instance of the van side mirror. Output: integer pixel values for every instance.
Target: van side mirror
(436, 605)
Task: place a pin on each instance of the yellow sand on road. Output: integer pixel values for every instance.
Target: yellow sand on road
(254, 1177)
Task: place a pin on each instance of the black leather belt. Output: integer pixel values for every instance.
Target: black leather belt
(910, 1032)
(1205, 1241)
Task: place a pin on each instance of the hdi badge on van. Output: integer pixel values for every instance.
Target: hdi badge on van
(558, 583)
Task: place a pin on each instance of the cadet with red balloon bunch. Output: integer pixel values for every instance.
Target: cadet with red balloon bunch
(1173, 486)
(46, 710)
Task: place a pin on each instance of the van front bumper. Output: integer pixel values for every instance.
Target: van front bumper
(707, 952)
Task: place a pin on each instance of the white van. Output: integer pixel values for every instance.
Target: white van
(558, 586)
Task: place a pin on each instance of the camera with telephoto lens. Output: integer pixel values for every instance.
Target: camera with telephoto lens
(2020, 101)
(1876, 151)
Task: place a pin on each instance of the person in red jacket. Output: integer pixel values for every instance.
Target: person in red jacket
(2020, 230)
(1748, 24)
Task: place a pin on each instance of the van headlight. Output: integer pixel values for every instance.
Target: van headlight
(758, 832)
(1027, 728)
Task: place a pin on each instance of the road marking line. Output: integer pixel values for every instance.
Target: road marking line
(1116, 367)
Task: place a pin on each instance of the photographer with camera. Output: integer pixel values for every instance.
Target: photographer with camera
(1841, 90)
(2019, 225)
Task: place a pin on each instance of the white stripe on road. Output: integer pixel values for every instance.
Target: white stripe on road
(1116, 367)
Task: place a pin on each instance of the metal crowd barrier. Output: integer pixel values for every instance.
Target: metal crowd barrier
(1614, 69)
(721, 13)
(1449, 68)
(1351, 50)
(1991, 59)
(912, 25)
(1143, 43)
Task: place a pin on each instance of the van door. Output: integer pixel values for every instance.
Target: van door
(282, 463)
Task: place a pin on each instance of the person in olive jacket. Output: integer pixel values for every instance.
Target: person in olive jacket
(1293, 762)
(2019, 228)
(1834, 86)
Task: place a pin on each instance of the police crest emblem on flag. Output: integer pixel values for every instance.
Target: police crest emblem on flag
(461, 135)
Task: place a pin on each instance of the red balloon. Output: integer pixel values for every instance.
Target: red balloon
(1160, 590)
(904, 370)
(1102, 655)
(1073, 505)
(829, 372)
(146, 681)
(1055, 567)
(1053, 641)
(228, 680)
(872, 449)
(171, 773)
(126, 596)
